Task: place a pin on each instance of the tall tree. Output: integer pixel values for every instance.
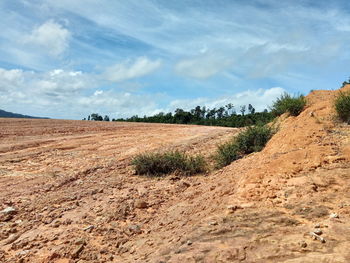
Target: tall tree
(243, 108)
(251, 109)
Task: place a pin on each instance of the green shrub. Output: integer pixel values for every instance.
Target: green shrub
(226, 154)
(286, 103)
(342, 106)
(253, 139)
(168, 162)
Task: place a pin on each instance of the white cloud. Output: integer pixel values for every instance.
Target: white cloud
(10, 79)
(51, 36)
(260, 99)
(128, 70)
(47, 88)
(67, 94)
(202, 67)
(98, 92)
(118, 104)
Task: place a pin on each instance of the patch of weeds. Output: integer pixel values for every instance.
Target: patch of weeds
(253, 139)
(342, 106)
(286, 103)
(158, 164)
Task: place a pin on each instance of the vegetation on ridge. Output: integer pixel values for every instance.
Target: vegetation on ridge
(253, 139)
(168, 162)
(342, 106)
(287, 103)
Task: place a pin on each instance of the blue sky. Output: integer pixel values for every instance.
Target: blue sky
(69, 58)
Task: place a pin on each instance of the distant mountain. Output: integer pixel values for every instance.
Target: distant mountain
(6, 114)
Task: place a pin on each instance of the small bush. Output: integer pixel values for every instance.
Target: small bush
(253, 139)
(226, 154)
(342, 106)
(168, 162)
(286, 103)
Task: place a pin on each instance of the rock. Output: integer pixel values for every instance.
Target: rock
(77, 251)
(7, 214)
(318, 237)
(12, 238)
(80, 241)
(317, 226)
(213, 223)
(232, 208)
(334, 215)
(9, 210)
(135, 229)
(189, 242)
(303, 244)
(56, 223)
(183, 185)
(53, 256)
(22, 253)
(89, 228)
(317, 231)
(95, 191)
(141, 204)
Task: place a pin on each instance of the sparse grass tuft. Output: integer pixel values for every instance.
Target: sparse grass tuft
(342, 106)
(286, 103)
(253, 139)
(157, 164)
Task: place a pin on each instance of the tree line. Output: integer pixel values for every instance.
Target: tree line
(201, 115)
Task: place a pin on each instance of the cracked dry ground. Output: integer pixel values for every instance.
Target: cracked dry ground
(77, 200)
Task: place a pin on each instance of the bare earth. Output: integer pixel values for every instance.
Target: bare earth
(77, 199)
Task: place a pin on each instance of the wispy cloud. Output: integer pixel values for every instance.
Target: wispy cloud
(202, 67)
(131, 69)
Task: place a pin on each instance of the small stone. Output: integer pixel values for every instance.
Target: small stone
(183, 184)
(189, 242)
(12, 238)
(77, 251)
(95, 191)
(303, 244)
(318, 231)
(232, 208)
(334, 215)
(141, 204)
(317, 237)
(317, 226)
(80, 241)
(135, 229)
(89, 228)
(22, 253)
(53, 256)
(56, 223)
(9, 210)
(213, 223)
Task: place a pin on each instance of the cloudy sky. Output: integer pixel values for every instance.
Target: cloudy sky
(69, 58)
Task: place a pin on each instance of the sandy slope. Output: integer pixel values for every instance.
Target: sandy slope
(63, 177)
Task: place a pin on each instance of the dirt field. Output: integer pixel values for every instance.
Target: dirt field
(59, 173)
(76, 198)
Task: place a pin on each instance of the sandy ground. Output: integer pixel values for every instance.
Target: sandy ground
(76, 198)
